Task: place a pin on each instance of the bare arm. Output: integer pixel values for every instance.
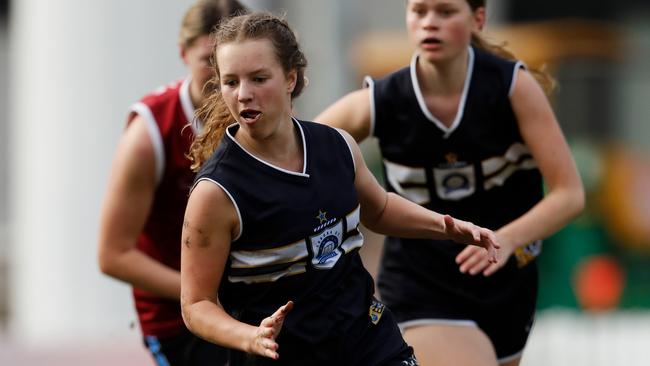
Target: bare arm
(350, 113)
(565, 198)
(210, 224)
(391, 214)
(542, 134)
(127, 202)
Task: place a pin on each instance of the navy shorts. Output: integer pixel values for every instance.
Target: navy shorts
(424, 287)
(185, 349)
(374, 341)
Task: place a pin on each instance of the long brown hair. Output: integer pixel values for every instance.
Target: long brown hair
(545, 80)
(214, 113)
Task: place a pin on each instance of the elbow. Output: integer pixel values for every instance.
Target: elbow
(185, 314)
(105, 266)
(106, 263)
(187, 309)
(575, 202)
(580, 201)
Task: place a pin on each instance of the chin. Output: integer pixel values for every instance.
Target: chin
(434, 55)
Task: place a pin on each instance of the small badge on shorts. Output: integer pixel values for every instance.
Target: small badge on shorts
(525, 255)
(412, 361)
(376, 309)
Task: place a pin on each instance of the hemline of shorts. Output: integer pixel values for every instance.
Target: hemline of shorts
(430, 321)
(403, 326)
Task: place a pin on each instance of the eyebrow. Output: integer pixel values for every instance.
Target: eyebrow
(256, 71)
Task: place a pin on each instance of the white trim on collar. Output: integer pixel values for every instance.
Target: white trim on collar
(461, 105)
(304, 152)
(188, 106)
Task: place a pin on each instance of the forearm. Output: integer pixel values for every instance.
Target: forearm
(552, 213)
(210, 322)
(141, 271)
(403, 218)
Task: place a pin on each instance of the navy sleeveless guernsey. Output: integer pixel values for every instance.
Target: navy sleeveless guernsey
(299, 241)
(479, 170)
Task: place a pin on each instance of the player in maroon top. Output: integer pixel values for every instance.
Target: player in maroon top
(142, 214)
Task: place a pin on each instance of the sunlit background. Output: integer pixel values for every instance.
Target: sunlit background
(69, 69)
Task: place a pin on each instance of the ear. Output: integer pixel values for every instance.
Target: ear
(182, 51)
(480, 18)
(292, 78)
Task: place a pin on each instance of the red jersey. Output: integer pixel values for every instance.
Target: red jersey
(167, 113)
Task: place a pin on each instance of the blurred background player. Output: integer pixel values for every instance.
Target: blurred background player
(147, 193)
(466, 130)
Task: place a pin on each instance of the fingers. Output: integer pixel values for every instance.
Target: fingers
(489, 242)
(270, 349)
(265, 342)
(282, 310)
(464, 254)
(475, 260)
(268, 322)
(464, 229)
(491, 269)
(491, 237)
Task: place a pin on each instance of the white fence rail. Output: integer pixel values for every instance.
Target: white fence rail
(566, 338)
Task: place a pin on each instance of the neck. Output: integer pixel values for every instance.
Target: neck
(446, 77)
(196, 94)
(282, 147)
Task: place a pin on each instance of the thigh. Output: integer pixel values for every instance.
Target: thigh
(512, 362)
(442, 345)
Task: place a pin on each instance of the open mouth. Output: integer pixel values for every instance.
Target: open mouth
(250, 115)
(431, 41)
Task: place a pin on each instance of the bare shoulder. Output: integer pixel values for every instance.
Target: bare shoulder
(526, 87)
(351, 113)
(210, 206)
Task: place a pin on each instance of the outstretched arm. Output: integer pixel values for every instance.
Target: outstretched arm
(350, 113)
(127, 202)
(210, 224)
(565, 198)
(390, 214)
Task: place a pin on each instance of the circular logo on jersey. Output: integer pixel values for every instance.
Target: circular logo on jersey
(454, 182)
(327, 248)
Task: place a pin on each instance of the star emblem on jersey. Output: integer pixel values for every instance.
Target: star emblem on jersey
(322, 216)
(451, 158)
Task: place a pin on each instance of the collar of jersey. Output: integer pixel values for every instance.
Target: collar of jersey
(304, 151)
(461, 105)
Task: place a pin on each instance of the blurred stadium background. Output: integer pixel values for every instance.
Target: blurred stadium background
(70, 68)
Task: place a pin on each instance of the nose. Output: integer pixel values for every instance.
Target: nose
(245, 93)
(431, 20)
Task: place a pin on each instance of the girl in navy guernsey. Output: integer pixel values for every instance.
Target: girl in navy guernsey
(270, 262)
(465, 129)
(142, 215)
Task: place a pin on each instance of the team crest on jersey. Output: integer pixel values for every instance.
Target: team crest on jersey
(454, 180)
(326, 246)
